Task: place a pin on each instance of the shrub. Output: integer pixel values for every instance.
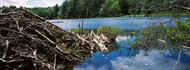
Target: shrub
(181, 31)
(172, 35)
(110, 32)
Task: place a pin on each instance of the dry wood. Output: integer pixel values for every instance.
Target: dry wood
(185, 47)
(54, 67)
(7, 48)
(30, 38)
(16, 23)
(45, 37)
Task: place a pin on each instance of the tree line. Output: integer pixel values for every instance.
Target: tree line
(99, 8)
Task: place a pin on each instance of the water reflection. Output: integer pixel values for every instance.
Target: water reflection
(155, 61)
(125, 57)
(122, 57)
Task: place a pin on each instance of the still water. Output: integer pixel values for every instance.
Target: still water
(122, 57)
(129, 23)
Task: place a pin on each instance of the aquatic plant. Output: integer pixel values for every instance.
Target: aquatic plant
(165, 37)
(110, 32)
(78, 31)
(180, 32)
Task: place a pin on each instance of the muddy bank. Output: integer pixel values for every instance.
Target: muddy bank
(30, 42)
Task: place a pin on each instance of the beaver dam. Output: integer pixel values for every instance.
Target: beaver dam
(30, 42)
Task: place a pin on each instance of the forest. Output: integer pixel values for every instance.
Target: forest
(102, 8)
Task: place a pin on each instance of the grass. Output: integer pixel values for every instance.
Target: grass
(77, 31)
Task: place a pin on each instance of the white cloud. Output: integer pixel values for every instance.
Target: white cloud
(48, 3)
(17, 3)
(30, 3)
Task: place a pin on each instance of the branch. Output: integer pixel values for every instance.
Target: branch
(45, 37)
(177, 60)
(18, 32)
(170, 5)
(10, 61)
(55, 62)
(1, 11)
(16, 23)
(7, 48)
(175, 6)
(185, 47)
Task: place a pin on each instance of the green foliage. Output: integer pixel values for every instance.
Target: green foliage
(77, 31)
(56, 10)
(110, 32)
(19, 66)
(110, 8)
(181, 31)
(8, 9)
(124, 5)
(114, 9)
(102, 8)
(173, 35)
(64, 9)
(47, 13)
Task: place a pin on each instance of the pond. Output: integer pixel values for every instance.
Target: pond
(121, 56)
(129, 23)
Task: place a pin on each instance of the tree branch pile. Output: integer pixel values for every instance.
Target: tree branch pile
(30, 42)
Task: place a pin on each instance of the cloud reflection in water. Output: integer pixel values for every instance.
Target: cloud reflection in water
(155, 61)
(119, 60)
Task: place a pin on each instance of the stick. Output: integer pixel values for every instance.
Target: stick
(185, 47)
(45, 37)
(82, 39)
(18, 32)
(1, 11)
(101, 45)
(177, 60)
(34, 14)
(7, 48)
(55, 62)
(10, 61)
(16, 23)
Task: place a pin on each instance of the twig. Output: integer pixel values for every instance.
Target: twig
(47, 65)
(185, 47)
(55, 62)
(29, 26)
(16, 23)
(7, 48)
(34, 14)
(82, 39)
(101, 45)
(177, 60)
(45, 37)
(175, 6)
(164, 53)
(161, 41)
(48, 32)
(18, 32)
(10, 61)
(35, 54)
(1, 11)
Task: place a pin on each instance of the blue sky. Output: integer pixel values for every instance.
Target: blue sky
(30, 3)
